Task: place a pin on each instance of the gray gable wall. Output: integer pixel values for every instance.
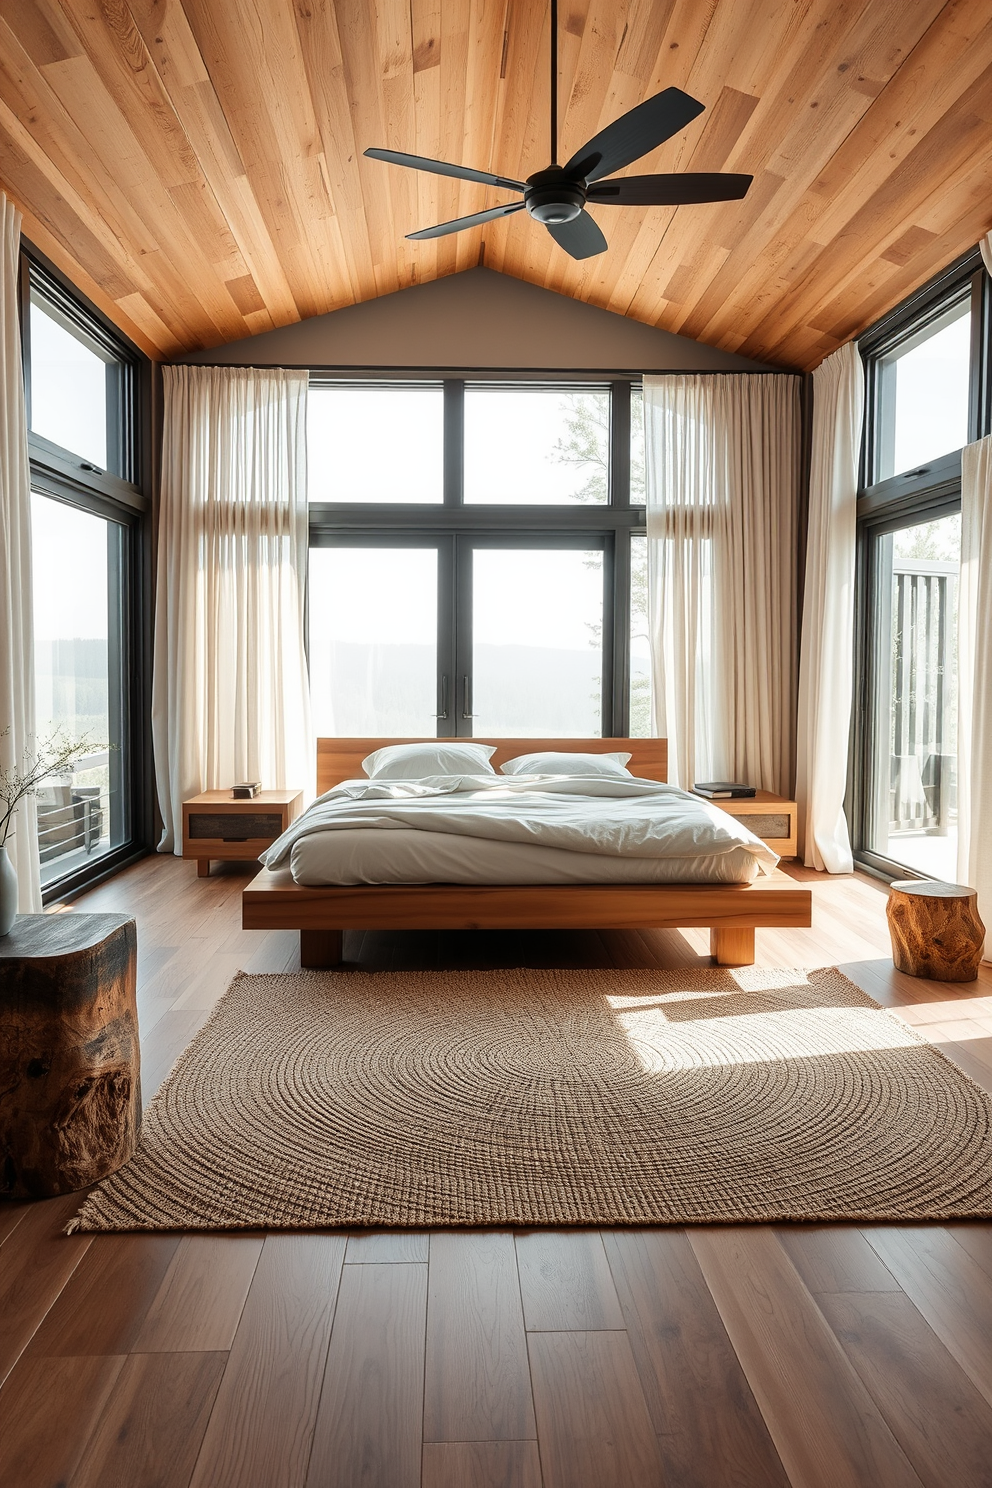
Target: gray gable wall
(476, 319)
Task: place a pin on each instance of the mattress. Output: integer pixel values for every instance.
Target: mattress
(408, 855)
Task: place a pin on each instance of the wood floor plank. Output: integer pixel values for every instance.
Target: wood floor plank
(153, 1423)
(942, 1422)
(167, 1040)
(199, 1303)
(481, 1465)
(208, 985)
(828, 1431)
(976, 1239)
(370, 1423)
(593, 1423)
(710, 1430)
(36, 1261)
(386, 1245)
(565, 1282)
(11, 1214)
(951, 1290)
(102, 1307)
(835, 1258)
(477, 1381)
(49, 1408)
(261, 1428)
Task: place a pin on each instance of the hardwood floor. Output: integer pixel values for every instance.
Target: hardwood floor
(738, 1357)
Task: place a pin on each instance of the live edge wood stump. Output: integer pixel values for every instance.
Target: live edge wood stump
(70, 1092)
(935, 930)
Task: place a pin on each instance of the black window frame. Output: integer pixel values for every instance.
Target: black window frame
(122, 497)
(607, 526)
(931, 491)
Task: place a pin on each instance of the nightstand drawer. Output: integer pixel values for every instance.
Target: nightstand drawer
(770, 817)
(230, 827)
(774, 825)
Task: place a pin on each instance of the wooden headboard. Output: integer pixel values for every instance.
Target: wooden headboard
(341, 759)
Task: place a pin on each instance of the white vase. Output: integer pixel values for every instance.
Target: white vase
(8, 893)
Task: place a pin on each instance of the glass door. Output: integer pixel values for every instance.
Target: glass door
(459, 634)
(78, 585)
(911, 817)
(374, 615)
(530, 645)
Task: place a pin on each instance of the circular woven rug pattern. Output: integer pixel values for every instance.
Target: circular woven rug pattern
(536, 1097)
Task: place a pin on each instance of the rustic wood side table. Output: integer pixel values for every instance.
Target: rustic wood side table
(217, 826)
(935, 929)
(70, 1090)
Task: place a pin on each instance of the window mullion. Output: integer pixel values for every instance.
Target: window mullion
(620, 443)
(454, 441)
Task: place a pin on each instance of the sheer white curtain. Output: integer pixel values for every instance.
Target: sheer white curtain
(231, 698)
(722, 479)
(17, 718)
(826, 655)
(975, 677)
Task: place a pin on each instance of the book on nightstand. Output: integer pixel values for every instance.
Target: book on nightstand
(246, 790)
(723, 790)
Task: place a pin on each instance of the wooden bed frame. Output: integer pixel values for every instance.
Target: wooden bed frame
(272, 901)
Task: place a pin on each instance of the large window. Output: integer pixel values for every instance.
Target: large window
(478, 569)
(927, 383)
(83, 385)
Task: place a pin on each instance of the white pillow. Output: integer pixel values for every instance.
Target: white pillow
(417, 761)
(549, 763)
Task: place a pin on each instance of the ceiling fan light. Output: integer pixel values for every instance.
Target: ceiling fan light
(554, 204)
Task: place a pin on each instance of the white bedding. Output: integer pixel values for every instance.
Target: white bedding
(523, 829)
(405, 855)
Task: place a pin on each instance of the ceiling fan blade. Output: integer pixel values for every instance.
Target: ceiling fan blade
(633, 135)
(460, 223)
(581, 237)
(670, 191)
(442, 168)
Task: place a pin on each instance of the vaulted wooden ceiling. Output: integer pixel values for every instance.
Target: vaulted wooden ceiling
(196, 165)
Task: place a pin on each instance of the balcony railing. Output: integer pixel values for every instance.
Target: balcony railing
(922, 693)
(74, 816)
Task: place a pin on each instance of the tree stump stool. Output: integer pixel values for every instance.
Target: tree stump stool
(70, 1093)
(935, 930)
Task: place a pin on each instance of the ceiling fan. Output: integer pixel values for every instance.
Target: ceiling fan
(557, 195)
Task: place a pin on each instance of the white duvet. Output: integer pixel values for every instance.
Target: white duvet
(604, 816)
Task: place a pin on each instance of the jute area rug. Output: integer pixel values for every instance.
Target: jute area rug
(539, 1098)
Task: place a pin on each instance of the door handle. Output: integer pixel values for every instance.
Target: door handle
(466, 702)
(444, 699)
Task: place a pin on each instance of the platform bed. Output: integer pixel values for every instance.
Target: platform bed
(731, 912)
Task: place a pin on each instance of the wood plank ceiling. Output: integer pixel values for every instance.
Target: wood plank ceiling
(196, 164)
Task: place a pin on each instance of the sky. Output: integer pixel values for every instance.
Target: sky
(523, 597)
(932, 396)
(69, 549)
(510, 437)
(68, 390)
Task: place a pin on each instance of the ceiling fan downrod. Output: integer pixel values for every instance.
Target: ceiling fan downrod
(554, 82)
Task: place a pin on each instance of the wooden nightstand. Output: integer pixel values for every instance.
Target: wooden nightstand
(216, 826)
(772, 818)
